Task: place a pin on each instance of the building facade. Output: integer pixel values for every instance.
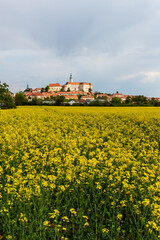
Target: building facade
(77, 86)
(55, 87)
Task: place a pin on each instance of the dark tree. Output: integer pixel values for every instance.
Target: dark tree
(90, 90)
(60, 100)
(46, 88)
(128, 99)
(6, 99)
(116, 101)
(3, 88)
(20, 99)
(140, 100)
(42, 90)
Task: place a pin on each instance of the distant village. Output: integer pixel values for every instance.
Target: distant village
(72, 91)
(77, 93)
(70, 94)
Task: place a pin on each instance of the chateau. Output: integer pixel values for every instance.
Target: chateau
(55, 87)
(71, 90)
(71, 86)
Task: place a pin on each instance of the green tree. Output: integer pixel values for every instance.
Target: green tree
(53, 98)
(128, 99)
(47, 88)
(6, 100)
(60, 100)
(36, 101)
(116, 101)
(68, 90)
(153, 101)
(90, 90)
(3, 88)
(140, 100)
(20, 99)
(42, 90)
(95, 93)
(79, 96)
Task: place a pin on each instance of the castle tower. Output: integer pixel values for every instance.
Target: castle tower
(71, 79)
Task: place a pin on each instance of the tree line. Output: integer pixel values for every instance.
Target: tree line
(7, 100)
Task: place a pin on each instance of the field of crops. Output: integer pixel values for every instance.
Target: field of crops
(80, 173)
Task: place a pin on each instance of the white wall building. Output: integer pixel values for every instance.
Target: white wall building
(77, 86)
(71, 86)
(54, 87)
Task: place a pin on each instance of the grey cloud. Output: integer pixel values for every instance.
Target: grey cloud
(98, 41)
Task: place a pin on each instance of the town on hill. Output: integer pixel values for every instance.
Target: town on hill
(74, 91)
(71, 93)
(80, 93)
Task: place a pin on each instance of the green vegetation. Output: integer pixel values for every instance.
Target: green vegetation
(6, 99)
(80, 173)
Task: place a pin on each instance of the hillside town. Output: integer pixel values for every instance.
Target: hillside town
(76, 93)
(70, 94)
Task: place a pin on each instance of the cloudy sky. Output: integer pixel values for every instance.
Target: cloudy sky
(114, 44)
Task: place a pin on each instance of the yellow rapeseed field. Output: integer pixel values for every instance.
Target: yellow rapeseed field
(80, 173)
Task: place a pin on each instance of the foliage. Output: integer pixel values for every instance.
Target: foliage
(79, 96)
(140, 100)
(60, 100)
(20, 99)
(116, 101)
(129, 100)
(3, 88)
(47, 88)
(90, 90)
(36, 101)
(42, 90)
(6, 100)
(80, 173)
(96, 103)
(95, 93)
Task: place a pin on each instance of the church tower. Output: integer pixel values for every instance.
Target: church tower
(71, 79)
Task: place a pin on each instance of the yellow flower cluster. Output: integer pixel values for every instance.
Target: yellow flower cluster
(23, 218)
(85, 173)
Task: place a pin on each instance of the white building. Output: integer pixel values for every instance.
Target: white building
(77, 86)
(55, 87)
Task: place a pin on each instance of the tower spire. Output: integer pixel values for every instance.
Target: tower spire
(71, 79)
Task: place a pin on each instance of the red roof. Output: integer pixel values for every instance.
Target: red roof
(73, 83)
(54, 85)
(102, 95)
(28, 93)
(87, 97)
(72, 93)
(81, 101)
(83, 83)
(71, 97)
(37, 94)
(78, 83)
(36, 89)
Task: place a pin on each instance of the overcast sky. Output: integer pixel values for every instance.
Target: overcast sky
(114, 44)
